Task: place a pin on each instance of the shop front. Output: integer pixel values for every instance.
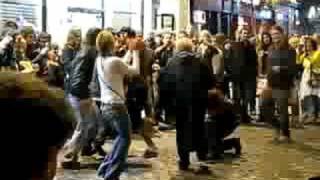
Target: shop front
(226, 17)
(289, 16)
(24, 12)
(213, 12)
(264, 18)
(243, 14)
(62, 15)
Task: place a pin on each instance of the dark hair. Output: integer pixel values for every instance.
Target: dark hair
(313, 43)
(39, 117)
(131, 33)
(262, 45)
(277, 28)
(91, 36)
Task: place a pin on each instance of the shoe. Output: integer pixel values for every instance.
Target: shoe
(215, 156)
(237, 147)
(183, 167)
(165, 127)
(150, 154)
(284, 139)
(202, 170)
(88, 151)
(71, 165)
(100, 151)
(276, 136)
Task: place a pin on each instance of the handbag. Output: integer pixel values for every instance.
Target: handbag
(314, 80)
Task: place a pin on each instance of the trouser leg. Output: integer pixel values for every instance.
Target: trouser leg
(284, 116)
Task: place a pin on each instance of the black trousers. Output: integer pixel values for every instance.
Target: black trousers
(190, 133)
(244, 96)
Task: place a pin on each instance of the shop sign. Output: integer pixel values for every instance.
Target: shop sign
(199, 17)
(210, 5)
(246, 1)
(264, 14)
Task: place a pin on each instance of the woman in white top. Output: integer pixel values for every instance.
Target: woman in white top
(111, 74)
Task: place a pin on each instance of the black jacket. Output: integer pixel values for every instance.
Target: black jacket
(81, 72)
(185, 81)
(68, 56)
(8, 58)
(284, 77)
(242, 62)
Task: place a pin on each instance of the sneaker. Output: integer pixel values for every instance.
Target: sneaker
(276, 136)
(71, 165)
(202, 170)
(238, 147)
(215, 156)
(284, 139)
(165, 127)
(149, 153)
(183, 167)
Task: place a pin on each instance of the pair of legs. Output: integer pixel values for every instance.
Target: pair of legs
(86, 129)
(311, 106)
(244, 97)
(281, 124)
(190, 134)
(115, 163)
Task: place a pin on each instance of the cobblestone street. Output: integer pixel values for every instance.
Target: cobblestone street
(261, 159)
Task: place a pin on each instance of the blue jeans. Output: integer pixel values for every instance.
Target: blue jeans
(311, 105)
(114, 164)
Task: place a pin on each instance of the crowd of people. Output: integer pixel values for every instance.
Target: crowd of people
(120, 83)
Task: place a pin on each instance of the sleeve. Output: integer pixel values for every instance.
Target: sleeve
(125, 69)
(206, 77)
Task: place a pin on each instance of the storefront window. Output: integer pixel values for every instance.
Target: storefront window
(24, 12)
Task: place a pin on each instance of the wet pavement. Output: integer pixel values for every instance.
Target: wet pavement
(261, 159)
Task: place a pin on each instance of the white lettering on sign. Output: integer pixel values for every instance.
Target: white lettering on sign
(247, 1)
(199, 17)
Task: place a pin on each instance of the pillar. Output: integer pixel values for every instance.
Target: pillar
(44, 15)
(147, 17)
(219, 28)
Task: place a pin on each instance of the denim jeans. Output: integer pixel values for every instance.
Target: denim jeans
(311, 105)
(86, 129)
(115, 162)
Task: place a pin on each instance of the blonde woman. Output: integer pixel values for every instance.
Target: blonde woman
(310, 84)
(111, 72)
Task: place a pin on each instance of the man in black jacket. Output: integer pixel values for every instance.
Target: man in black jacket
(243, 66)
(184, 86)
(79, 97)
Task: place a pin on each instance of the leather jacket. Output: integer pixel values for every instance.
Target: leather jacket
(81, 72)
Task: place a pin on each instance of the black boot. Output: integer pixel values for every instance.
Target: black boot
(233, 143)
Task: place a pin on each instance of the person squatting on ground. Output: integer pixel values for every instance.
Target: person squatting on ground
(221, 123)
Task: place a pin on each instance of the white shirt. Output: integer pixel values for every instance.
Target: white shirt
(112, 71)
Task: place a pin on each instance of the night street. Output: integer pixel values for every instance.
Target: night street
(261, 159)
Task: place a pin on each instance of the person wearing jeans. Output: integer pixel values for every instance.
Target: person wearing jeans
(111, 72)
(114, 163)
